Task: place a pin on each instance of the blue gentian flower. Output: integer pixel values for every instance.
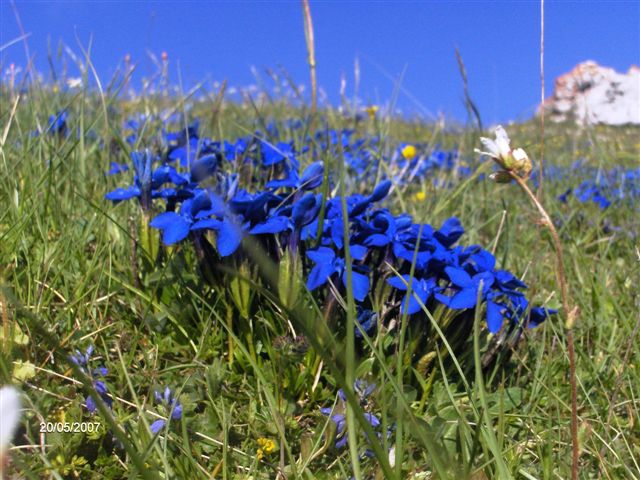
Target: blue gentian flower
(368, 321)
(340, 421)
(362, 390)
(115, 168)
(180, 137)
(379, 193)
(450, 232)
(311, 178)
(327, 263)
(230, 233)
(185, 154)
(563, 197)
(142, 162)
(170, 405)
(141, 189)
(82, 360)
(539, 315)
(176, 226)
(467, 288)
(234, 150)
(281, 152)
(204, 167)
(421, 288)
(406, 238)
(379, 230)
(301, 213)
(254, 208)
(58, 123)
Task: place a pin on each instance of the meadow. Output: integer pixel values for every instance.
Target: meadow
(194, 287)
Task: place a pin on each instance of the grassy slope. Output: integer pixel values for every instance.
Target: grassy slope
(66, 256)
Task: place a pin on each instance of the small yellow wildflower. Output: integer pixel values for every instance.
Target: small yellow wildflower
(409, 152)
(420, 196)
(267, 446)
(372, 110)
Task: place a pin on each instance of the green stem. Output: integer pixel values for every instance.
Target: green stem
(351, 325)
(229, 321)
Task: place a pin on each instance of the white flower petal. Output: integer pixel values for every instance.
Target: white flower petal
(490, 145)
(519, 154)
(502, 142)
(9, 415)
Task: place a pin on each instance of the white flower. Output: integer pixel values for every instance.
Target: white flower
(74, 82)
(498, 149)
(9, 416)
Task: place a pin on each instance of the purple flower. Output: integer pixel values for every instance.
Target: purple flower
(82, 360)
(171, 407)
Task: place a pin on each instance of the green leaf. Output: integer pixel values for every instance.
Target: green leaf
(241, 291)
(23, 371)
(19, 338)
(289, 283)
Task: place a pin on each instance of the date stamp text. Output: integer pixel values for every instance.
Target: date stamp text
(69, 427)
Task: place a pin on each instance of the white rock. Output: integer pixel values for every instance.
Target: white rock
(593, 94)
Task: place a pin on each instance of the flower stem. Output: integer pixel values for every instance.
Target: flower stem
(571, 313)
(311, 54)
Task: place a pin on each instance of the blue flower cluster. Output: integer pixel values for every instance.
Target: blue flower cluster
(170, 406)
(286, 214)
(82, 361)
(56, 125)
(606, 187)
(367, 161)
(363, 390)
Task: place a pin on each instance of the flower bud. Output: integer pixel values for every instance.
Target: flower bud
(371, 111)
(521, 162)
(501, 177)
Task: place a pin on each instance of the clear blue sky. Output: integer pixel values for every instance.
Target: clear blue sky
(499, 42)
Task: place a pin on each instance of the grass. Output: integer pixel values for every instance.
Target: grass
(77, 270)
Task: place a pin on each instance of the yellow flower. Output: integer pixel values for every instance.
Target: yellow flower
(409, 152)
(267, 446)
(372, 110)
(420, 196)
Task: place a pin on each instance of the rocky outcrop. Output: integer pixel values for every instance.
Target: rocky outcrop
(592, 94)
